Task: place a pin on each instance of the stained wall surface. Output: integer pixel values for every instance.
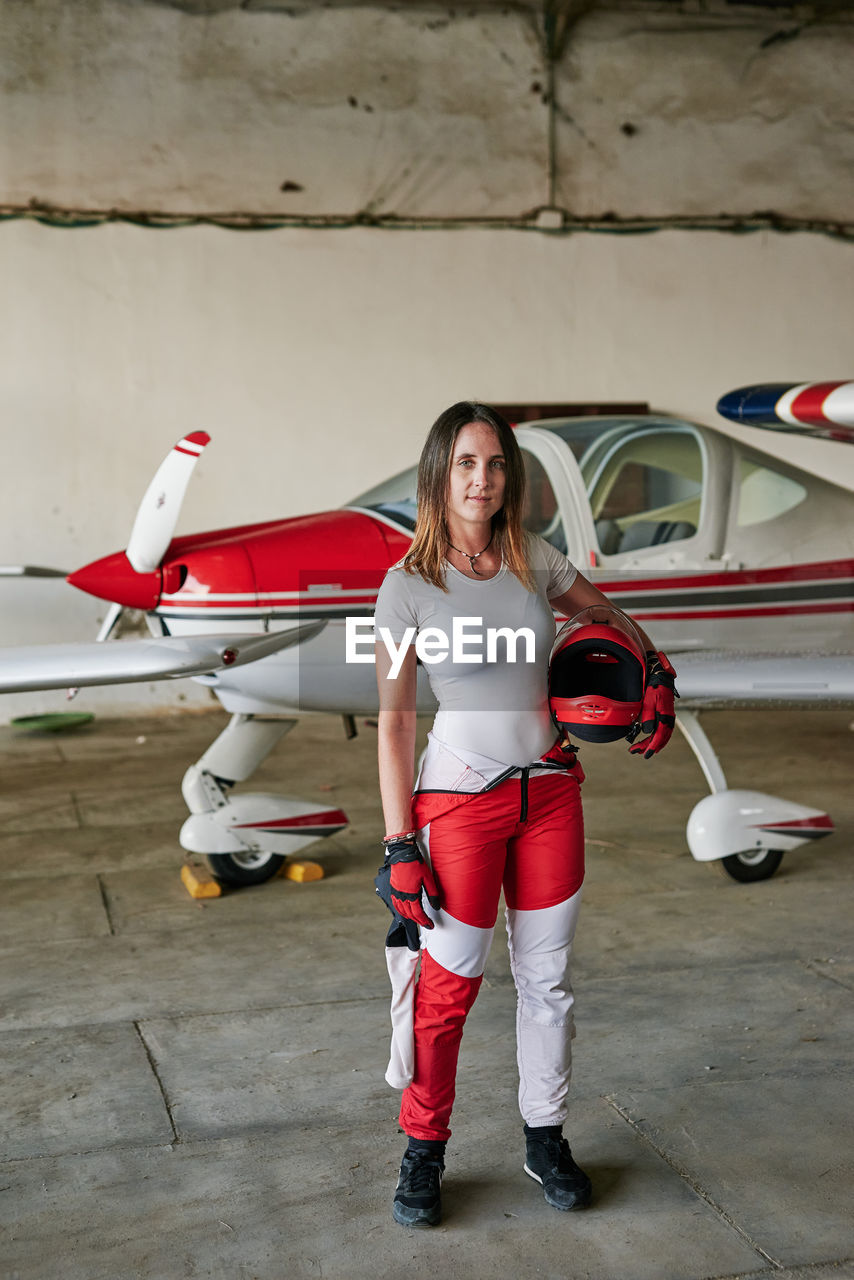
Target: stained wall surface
(317, 355)
(426, 111)
(664, 114)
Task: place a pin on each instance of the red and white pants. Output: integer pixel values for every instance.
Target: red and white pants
(527, 837)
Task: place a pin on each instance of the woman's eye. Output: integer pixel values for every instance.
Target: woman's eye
(498, 463)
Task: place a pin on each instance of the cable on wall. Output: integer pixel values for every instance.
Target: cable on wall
(546, 220)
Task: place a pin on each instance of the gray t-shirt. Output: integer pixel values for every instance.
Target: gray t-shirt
(495, 707)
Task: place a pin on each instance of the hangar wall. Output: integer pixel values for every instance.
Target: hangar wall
(641, 108)
(415, 149)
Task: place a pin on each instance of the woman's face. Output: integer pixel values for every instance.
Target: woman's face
(476, 481)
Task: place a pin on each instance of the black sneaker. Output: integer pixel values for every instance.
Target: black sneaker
(548, 1160)
(418, 1198)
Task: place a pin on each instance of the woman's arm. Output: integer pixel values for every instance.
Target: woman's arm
(410, 877)
(582, 595)
(396, 750)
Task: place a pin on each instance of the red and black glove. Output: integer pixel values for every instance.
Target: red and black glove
(565, 753)
(658, 715)
(409, 876)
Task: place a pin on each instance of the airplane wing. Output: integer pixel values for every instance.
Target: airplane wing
(710, 679)
(824, 410)
(58, 666)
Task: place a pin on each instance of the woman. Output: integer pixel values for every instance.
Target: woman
(497, 800)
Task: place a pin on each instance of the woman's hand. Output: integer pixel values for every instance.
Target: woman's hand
(658, 714)
(410, 876)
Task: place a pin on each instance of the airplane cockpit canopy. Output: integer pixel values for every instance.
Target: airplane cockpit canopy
(643, 477)
(394, 499)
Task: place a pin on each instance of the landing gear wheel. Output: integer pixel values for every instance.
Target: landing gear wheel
(756, 864)
(245, 868)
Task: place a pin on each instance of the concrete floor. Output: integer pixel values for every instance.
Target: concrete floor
(194, 1089)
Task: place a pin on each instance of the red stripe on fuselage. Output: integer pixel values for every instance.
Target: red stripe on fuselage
(670, 590)
(822, 570)
(764, 611)
(190, 602)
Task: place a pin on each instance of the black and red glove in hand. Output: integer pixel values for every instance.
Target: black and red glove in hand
(658, 715)
(410, 876)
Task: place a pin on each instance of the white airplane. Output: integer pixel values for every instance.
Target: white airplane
(741, 565)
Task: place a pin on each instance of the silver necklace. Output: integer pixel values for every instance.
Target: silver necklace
(476, 556)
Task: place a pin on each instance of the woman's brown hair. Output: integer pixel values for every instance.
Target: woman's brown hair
(426, 556)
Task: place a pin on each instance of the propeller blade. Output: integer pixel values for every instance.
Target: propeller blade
(158, 512)
(30, 571)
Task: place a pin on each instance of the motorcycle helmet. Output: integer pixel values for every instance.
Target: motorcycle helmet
(597, 674)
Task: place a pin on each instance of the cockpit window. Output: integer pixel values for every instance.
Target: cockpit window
(765, 494)
(645, 490)
(645, 486)
(394, 498)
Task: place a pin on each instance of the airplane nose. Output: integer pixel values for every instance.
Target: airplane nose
(113, 578)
